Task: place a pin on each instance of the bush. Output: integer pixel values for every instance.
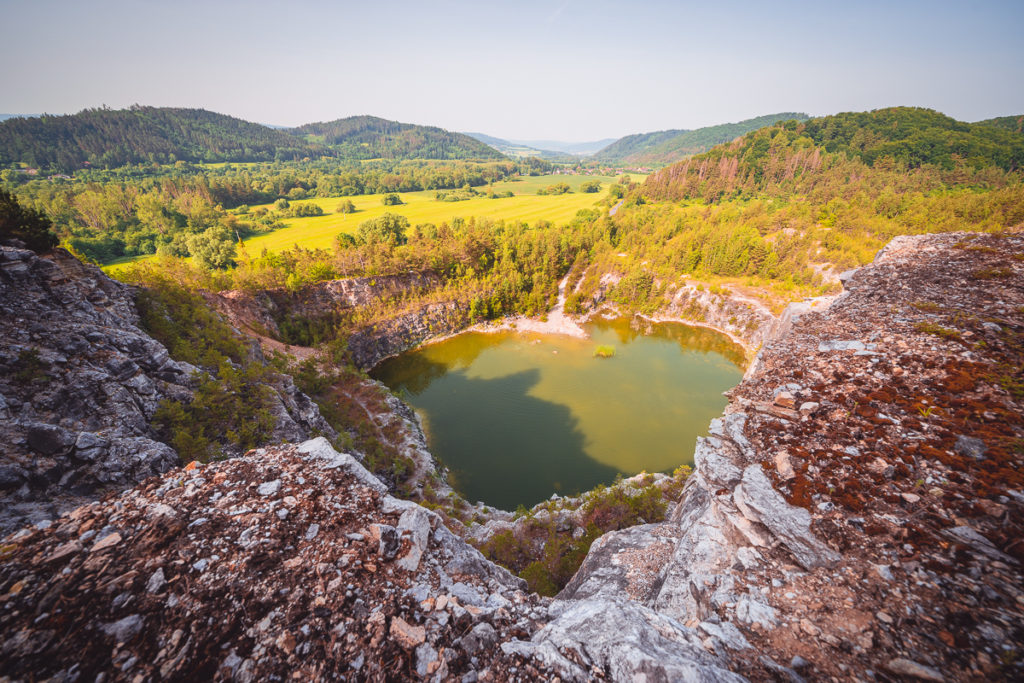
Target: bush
(213, 248)
(388, 228)
(590, 186)
(309, 209)
(557, 188)
(391, 199)
(28, 225)
(346, 206)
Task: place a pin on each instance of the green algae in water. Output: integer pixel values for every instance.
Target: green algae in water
(517, 417)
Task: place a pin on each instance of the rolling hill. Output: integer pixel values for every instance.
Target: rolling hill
(1014, 123)
(831, 150)
(667, 146)
(108, 138)
(369, 137)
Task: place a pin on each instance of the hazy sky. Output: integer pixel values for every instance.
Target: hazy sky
(564, 69)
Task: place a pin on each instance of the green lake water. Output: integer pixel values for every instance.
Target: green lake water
(517, 417)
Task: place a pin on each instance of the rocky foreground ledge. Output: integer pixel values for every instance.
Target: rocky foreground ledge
(857, 512)
(855, 515)
(289, 562)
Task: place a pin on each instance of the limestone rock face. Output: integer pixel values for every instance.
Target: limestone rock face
(800, 539)
(79, 384)
(259, 313)
(260, 567)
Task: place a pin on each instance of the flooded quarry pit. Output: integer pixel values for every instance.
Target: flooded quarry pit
(519, 416)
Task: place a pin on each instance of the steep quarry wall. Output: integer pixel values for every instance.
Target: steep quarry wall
(856, 513)
(260, 314)
(79, 384)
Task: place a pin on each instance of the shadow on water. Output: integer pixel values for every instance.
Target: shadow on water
(502, 433)
(504, 446)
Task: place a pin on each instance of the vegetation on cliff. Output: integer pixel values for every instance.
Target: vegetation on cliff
(27, 225)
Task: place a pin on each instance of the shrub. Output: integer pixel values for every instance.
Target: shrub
(28, 225)
(391, 199)
(604, 351)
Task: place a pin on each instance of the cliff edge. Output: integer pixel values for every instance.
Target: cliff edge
(857, 511)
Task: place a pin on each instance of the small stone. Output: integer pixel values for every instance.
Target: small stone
(407, 635)
(783, 465)
(810, 629)
(106, 542)
(286, 641)
(269, 488)
(312, 531)
(481, 637)
(64, 551)
(910, 497)
(990, 507)
(784, 399)
(907, 667)
(970, 447)
(883, 617)
(809, 407)
(387, 539)
(798, 663)
(125, 629)
(156, 581)
(426, 660)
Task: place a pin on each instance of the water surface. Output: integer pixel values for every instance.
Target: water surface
(519, 416)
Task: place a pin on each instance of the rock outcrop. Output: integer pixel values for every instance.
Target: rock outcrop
(79, 384)
(262, 314)
(857, 512)
(290, 562)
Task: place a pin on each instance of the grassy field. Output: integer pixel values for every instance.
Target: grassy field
(421, 207)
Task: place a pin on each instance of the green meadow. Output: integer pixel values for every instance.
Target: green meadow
(421, 207)
(319, 232)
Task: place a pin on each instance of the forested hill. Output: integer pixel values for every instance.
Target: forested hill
(668, 146)
(1013, 124)
(919, 148)
(110, 138)
(369, 137)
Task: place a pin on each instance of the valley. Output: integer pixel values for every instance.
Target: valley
(309, 388)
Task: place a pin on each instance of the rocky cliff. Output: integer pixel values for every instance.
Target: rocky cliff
(263, 314)
(854, 515)
(79, 384)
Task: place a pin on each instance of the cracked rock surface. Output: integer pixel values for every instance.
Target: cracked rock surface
(289, 562)
(858, 512)
(79, 384)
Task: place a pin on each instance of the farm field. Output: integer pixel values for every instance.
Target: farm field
(319, 232)
(421, 207)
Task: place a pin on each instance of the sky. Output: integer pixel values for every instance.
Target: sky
(571, 70)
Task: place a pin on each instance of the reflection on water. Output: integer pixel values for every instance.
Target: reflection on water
(517, 417)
